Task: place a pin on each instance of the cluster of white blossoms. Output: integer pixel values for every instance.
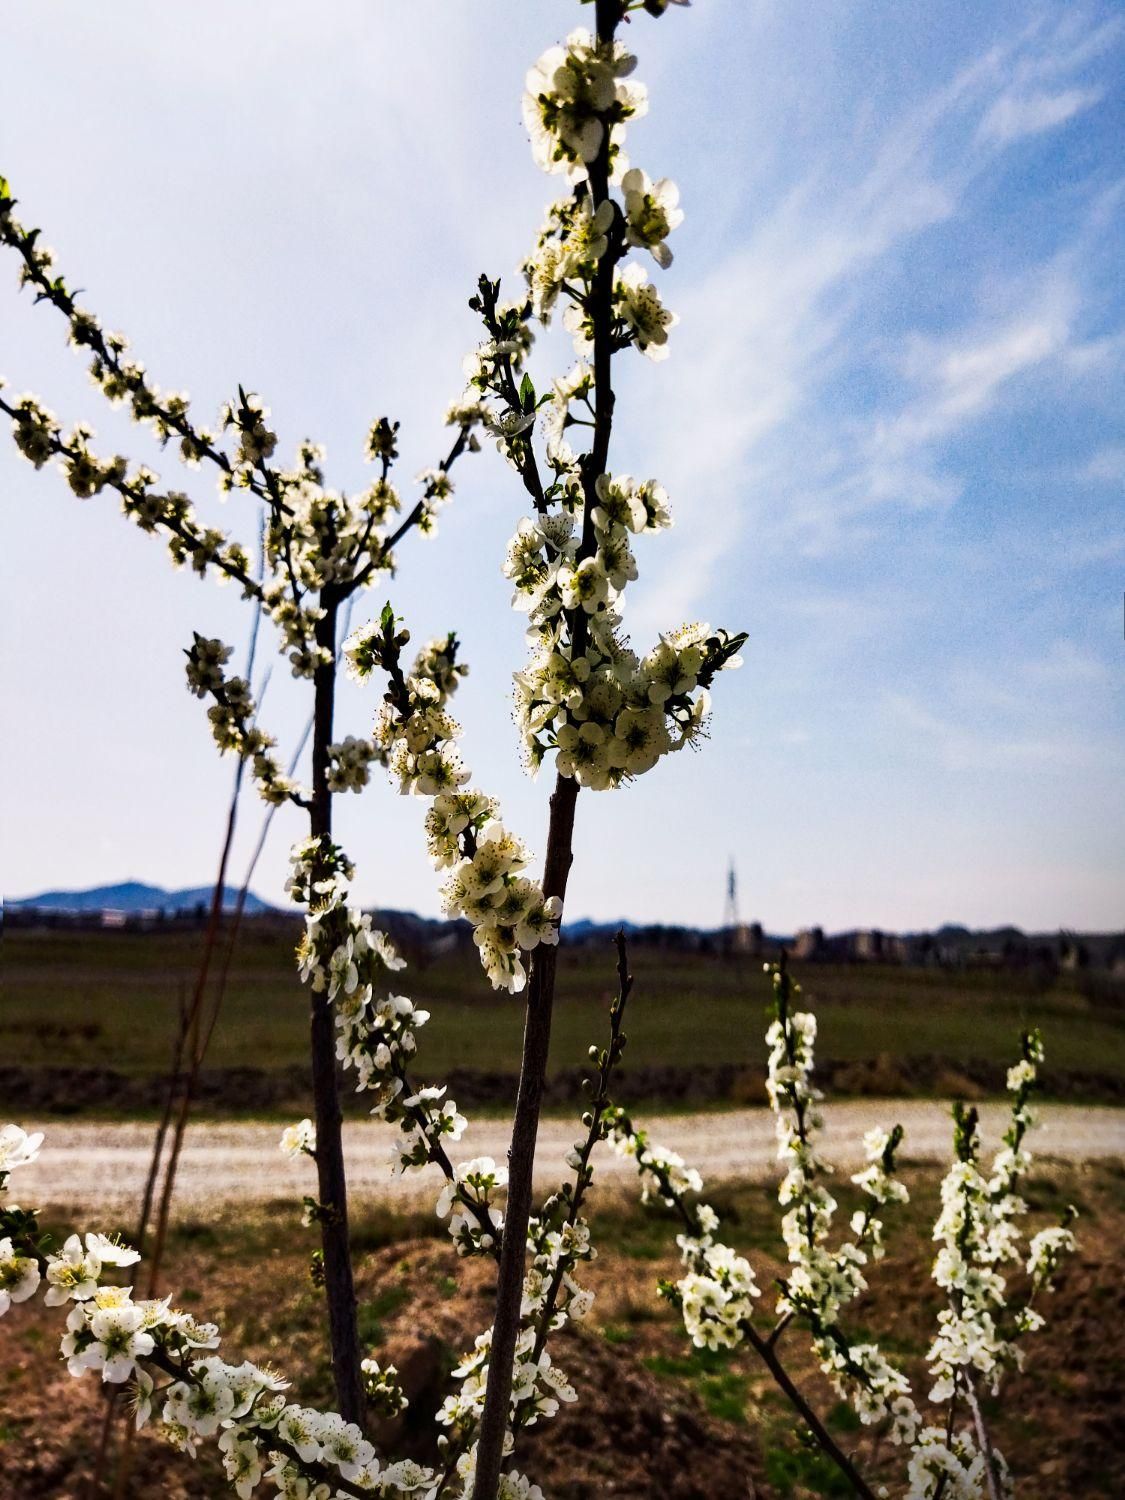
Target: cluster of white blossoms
(467, 1197)
(39, 437)
(73, 1271)
(349, 763)
(232, 717)
(179, 1386)
(607, 713)
(558, 1241)
(716, 1296)
(574, 94)
(664, 1175)
(1045, 1254)
(978, 1231)
(950, 1465)
(316, 538)
(353, 965)
(416, 737)
(822, 1280)
(538, 1386)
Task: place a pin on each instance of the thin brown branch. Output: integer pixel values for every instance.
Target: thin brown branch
(583, 1177)
(196, 1052)
(826, 1441)
(388, 544)
(521, 1155)
(127, 491)
(55, 293)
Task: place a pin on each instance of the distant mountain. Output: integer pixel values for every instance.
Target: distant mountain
(135, 896)
(586, 927)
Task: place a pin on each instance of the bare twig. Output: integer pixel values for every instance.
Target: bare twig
(594, 1132)
(991, 1467)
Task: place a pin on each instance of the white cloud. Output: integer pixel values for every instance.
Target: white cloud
(1065, 665)
(973, 746)
(1097, 356)
(1107, 465)
(1012, 117)
(962, 377)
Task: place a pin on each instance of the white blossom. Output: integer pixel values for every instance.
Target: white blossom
(299, 1140)
(651, 212)
(574, 94)
(17, 1148)
(19, 1276)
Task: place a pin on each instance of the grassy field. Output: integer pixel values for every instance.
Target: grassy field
(110, 1000)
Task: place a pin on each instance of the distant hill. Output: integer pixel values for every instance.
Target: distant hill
(586, 927)
(133, 903)
(135, 896)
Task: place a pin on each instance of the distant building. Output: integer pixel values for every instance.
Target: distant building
(868, 946)
(808, 945)
(745, 939)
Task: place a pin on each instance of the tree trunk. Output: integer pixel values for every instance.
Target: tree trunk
(332, 1190)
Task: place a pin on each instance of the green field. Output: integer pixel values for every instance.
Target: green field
(110, 1001)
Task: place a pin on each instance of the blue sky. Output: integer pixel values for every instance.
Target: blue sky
(891, 428)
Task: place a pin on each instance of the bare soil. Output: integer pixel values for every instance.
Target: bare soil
(654, 1419)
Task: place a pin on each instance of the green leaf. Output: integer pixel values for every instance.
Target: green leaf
(527, 393)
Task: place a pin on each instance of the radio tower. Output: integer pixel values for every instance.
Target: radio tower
(732, 923)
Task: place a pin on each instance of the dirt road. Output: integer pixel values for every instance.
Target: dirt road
(102, 1166)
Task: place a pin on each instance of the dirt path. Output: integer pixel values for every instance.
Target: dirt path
(103, 1166)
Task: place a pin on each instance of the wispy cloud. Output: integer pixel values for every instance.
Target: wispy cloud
(965, 373)
(1065, 664)
(959, 379)
(759, 374)
(1106, 466)
(1013, 117)
(964, 744)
